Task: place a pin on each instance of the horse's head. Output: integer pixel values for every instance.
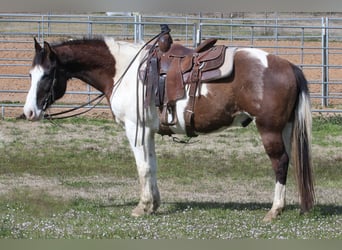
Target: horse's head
(48, 81)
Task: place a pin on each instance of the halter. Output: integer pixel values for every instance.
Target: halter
(51, 97)
(50, 94)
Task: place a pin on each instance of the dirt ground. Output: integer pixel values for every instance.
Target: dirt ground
(22, 54)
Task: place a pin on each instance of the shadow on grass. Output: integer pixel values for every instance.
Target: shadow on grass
(324, 210)
(319, 209)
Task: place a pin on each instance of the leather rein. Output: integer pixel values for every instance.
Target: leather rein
(55, 116)
(98, 99)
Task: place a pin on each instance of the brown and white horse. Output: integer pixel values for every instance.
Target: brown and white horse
(263, 86)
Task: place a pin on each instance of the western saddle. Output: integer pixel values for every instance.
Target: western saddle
(171, 67)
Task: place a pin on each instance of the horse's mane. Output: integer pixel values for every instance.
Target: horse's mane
(77, 41)
(95, 40)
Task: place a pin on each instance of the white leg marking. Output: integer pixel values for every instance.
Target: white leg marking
(31, 110)
(278, 203)
(279, 197)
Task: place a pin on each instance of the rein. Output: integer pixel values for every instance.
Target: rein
(55, 116)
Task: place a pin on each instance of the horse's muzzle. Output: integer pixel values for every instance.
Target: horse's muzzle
(32, 115)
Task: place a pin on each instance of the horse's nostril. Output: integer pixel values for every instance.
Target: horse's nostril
(30, 115)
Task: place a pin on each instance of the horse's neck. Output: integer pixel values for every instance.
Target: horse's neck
(91, 63)
(124, 53)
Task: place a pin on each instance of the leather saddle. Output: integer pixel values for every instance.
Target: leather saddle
(177, 67)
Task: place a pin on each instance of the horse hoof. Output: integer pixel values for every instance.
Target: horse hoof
(270, 216)
(138, 211)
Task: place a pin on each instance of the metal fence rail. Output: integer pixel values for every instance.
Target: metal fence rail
(314, 43)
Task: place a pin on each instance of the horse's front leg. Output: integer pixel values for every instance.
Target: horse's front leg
(146, 162)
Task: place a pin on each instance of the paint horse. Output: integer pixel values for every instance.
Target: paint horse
(262, 86)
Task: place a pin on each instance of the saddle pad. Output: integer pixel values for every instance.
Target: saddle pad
(227, 67)
(225, 70)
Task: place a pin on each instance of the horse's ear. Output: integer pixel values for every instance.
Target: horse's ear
(47, 47)
(49, 51)
(37, 45)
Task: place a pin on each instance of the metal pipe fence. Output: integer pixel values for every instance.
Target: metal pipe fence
(313, 43)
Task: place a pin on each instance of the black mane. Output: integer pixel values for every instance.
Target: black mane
(80, 41)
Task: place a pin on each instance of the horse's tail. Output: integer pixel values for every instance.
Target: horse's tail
(301, 143)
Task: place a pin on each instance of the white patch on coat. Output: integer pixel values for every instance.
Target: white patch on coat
(204, 90)
(123, 53)
(181, 106)
(258, 54)
(123, 99)
(31, 110)
(258, 85)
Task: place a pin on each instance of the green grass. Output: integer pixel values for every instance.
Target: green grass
(327, 133)
(85, 219)
(326, 129)
(57, 183)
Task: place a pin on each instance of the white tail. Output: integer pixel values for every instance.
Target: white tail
(301, 144)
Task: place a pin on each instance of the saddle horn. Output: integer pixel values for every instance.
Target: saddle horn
(165, 40)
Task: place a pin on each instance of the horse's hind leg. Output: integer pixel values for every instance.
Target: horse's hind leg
(277, 144)
(145, 158)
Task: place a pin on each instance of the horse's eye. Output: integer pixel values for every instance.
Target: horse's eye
(30, 75)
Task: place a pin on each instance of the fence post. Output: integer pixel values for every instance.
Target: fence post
(198, 35)
(138, 33)
(40, 32)
(48, 24)
(90, 27)
(325, 63)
